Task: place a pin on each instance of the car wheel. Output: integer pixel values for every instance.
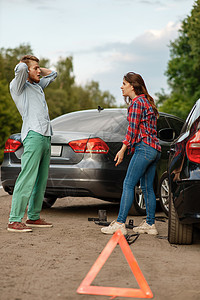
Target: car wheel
(178, 233)
(48, 202)
(138, 207)
(164, 193)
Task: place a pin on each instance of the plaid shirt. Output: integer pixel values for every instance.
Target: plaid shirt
(142, 124)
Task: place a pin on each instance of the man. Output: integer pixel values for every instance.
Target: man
(27, 92)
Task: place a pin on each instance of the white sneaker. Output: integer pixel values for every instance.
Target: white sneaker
(146, 228)
(113, 227)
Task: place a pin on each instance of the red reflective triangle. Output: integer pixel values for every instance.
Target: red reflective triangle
(86, 287)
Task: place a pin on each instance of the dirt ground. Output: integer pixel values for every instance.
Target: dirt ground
(51, 263)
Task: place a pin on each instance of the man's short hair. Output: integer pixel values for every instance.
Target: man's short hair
(27, 58)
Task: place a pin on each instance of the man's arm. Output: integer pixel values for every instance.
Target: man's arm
(45, 72)
(21, 75)
(48, 77)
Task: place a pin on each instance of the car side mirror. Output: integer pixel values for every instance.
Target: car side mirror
(166, 134)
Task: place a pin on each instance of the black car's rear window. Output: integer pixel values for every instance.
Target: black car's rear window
(93, 121)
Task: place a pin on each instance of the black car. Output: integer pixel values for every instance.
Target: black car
(184, 180)
(83, 149)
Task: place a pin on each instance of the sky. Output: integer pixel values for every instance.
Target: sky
(106, 38)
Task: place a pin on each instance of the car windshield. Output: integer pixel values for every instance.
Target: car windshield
(93, 121)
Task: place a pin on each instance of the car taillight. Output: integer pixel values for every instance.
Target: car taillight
(93, 145)
(11, 145)
(193, 148)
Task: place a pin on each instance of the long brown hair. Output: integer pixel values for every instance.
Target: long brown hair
(139, 86)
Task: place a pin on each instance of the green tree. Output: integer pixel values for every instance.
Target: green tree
(82, 99)
(91, 96)
(9, 58)
(183, 71)
(59, 94)
(104, 99)
(57, 100)
(64, 95)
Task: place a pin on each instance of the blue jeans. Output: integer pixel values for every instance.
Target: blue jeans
(141, 167)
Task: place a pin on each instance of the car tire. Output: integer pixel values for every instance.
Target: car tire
(48, 202)
(178, 233)
(164, 193)
(138, 207)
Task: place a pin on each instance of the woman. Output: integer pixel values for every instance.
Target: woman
(141, 139)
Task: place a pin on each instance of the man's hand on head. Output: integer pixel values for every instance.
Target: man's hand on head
(45, 72)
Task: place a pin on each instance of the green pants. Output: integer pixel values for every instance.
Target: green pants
(31, 183)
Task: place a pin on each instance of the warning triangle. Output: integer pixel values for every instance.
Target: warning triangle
(86, 287)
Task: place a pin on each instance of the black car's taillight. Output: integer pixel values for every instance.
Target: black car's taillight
(93, 145)
(11, 145)
(193, 148)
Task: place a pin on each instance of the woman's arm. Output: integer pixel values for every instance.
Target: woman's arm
(120, 155)
(135, 114)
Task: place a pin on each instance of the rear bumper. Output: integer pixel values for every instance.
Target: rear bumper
(65, 181)
(187, 201)
(94, 182)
